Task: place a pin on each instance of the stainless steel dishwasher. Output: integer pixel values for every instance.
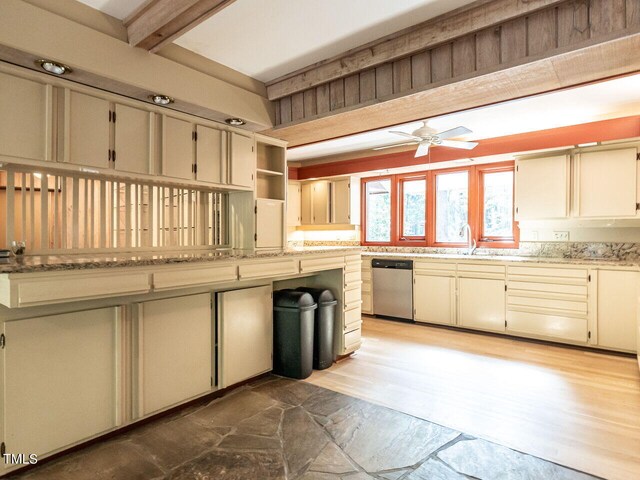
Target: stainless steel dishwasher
(393, 288)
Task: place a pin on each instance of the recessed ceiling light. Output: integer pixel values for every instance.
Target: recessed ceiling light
(53, 67)
(161, 99)
(235, 122)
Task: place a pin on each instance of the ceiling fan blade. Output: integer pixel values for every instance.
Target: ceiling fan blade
(405, 134)
(423, 149)
(454, 132)
(458, 144)
(395, 145)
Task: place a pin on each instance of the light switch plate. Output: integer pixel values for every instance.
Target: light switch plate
(561, 236)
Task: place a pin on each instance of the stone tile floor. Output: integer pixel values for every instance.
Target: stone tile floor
(277, 428)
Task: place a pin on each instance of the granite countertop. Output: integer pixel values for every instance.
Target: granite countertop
(506, 258)
(48, 263)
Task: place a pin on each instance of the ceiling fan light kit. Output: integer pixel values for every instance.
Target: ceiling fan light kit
(426, 137)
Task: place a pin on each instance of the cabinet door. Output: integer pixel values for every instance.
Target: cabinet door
(542, 188)
(321, 202)
(242, 161)
(176, 358)
(434, 299)
(481, 304)
(306, 204)
(617, 309)
(177, 148)
(293, 204)
(606, 183)
(269, 227)
(59, 379)
(209, 154)
(133, 139)
(246, 326)
(341, 202)
(89, 130)
(24, 118)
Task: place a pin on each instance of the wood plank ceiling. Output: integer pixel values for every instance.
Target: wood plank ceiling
(487, 52)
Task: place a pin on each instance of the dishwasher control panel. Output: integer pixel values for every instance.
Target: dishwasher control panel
(399, 264)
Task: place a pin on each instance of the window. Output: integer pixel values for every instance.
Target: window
(378, 210)
(496, 220)
(452, 206)
(431, 208)
(414, 208)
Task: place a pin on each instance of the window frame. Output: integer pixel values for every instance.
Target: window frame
(487, 241)
(401, 238)
(475, 213)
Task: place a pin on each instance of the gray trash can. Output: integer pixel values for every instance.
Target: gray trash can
(325, 315)
(293, 321)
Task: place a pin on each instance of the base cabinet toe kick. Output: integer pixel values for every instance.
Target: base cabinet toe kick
(86, 352)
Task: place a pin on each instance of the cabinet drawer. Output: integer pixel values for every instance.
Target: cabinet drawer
(472, 267)
(194, 276)
(319, 264)
(548, 303)
(553, 273)
(80, 287)
(352, 277)
(268, 269)
(352, 298)
(352, 318)
(352, 339)
(353, 263)
(435, 268)
(556, 326)
(547, 288)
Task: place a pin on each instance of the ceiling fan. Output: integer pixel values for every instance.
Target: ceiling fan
(426, 137)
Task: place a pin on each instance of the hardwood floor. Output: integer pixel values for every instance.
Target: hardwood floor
(574, 407)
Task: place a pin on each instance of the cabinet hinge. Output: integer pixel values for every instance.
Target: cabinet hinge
(505, 288)
(516, 209)
(588, 278)
(255, 209)
(109, 154)
(194, 136)
(589, 335)
(517, 167)
(505, 324)
(637, 206)
(113, 156)
(638, 156)
(113, 117)
(3, 449)
(195, 168)
(212, 381)
(3, 340)
(110, 115)
(255, 237)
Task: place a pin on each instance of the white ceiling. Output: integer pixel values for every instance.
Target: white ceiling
(116, 8)
(266, 39)
(600, 101)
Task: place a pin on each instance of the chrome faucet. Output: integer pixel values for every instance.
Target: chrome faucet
(471, 242)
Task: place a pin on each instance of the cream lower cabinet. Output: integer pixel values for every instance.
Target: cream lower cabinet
(617, 311)
(367, 300)
(245, 319)
(175, 351)
(434, 299)
(59, 377)
(481, 304)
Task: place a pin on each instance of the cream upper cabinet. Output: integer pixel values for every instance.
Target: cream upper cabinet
(25, 118)
(617, 309)
(542, 188)
(482, 304)
(176, 351)
(88, 136)
(177, 148)
(606, 183)
(60, 380)
(321, 202)
(269, 223)
(434, 299)
(345, 201)
(306, 204)
(210, 154)
(242, 160)
(246, 324)
(294, 194)
(133, 139)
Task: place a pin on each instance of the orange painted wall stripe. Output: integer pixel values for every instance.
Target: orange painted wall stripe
(601, 131)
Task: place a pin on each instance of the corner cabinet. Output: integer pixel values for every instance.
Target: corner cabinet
(64, 364)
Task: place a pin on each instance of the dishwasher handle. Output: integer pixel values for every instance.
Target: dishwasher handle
(394, 264)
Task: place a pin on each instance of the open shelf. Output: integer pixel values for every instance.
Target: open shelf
(271, 172)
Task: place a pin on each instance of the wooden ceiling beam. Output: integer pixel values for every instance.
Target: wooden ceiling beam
(158, 22)
(471, 18)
